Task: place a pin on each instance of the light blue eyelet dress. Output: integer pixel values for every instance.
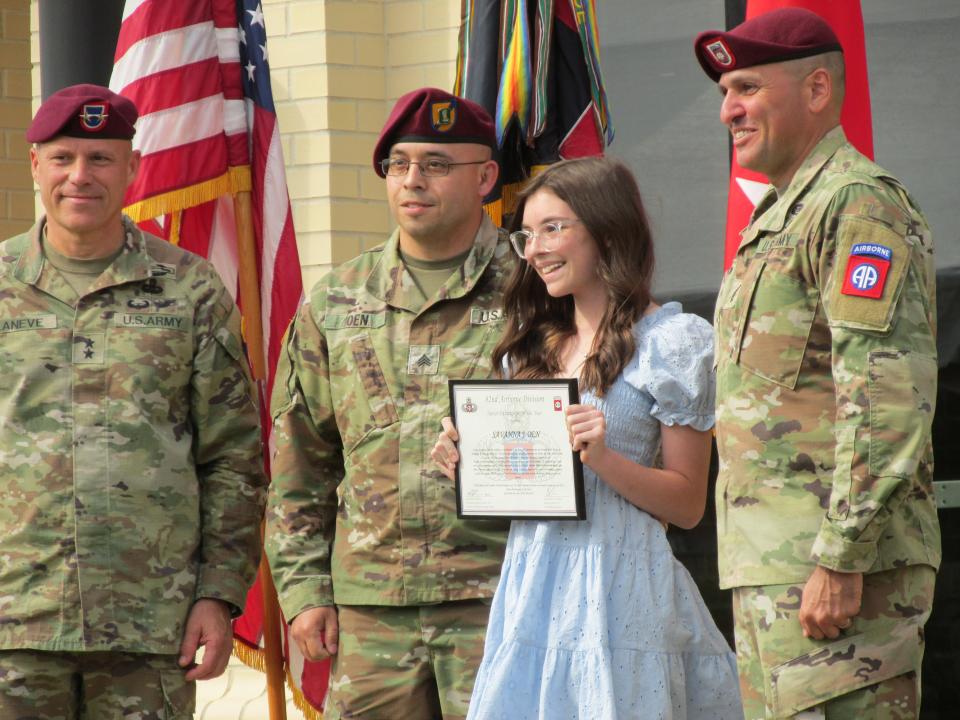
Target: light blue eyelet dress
(597, 620)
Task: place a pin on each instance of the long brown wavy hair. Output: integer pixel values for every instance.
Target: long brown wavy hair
(603, 194)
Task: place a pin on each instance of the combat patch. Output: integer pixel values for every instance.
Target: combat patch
(886, 252)
(867, 267)
(355, 320)
(45, 321)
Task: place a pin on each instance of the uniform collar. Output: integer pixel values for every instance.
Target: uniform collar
(132, 264)
(771, 212)
(390, 282)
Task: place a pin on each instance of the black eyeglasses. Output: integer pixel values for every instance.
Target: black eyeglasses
(434, 167)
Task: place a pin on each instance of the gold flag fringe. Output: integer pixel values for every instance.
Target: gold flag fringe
(237, 179)
(300, 700)
(255, 658)
(251, 657)
(507, 203)
(175, 223)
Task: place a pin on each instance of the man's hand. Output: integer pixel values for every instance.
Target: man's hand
(830, 601)
(208, 625)
(316, 632)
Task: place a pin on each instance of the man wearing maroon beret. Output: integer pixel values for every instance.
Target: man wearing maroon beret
(826, 382)
(372, 565)
(131, 462)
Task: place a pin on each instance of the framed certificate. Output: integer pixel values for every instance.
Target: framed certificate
(515, 455)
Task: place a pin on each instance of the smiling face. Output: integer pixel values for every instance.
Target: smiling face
(570, 266)
(766, 111)
(439, 216)
(82, 184)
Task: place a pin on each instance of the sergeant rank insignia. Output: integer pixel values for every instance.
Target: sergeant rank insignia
(867, 269)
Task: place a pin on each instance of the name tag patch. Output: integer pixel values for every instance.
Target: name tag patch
(355, 320)
(45, 321)
(867, 268)
(479, 316)
(150, 320)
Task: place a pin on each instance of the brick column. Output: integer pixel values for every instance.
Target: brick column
(16, 185)
(337, 67)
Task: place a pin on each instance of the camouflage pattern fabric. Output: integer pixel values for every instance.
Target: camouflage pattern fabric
(358, 514)
(43, 685)
(130, 446)
(824, 398)
(414, 663)
(871, 671)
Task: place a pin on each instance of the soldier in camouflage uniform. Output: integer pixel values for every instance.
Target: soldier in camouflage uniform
(826, 381)
(133, 484)
(371, 562)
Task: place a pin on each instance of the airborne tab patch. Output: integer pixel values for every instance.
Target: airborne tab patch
(867, 268)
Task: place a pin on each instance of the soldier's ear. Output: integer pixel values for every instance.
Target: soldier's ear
(133, 166)
(489, 172)
(819, 87)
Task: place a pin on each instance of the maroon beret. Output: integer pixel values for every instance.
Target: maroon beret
(775, 36)
(84, 111)
(430, 115)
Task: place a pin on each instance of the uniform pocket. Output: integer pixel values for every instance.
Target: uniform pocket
(845, 665)
(777, 327)
(381, 411)
(179, 696)
(903, 390)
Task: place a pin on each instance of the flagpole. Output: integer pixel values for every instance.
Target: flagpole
(248, 278)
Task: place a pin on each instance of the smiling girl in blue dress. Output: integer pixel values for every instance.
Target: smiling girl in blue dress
(597, 620)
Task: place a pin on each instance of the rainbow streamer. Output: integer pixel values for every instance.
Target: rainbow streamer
(515, 77)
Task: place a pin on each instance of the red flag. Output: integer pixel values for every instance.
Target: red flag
(208, 135)
(846, 19)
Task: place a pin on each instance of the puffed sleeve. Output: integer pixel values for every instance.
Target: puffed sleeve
(674, 365)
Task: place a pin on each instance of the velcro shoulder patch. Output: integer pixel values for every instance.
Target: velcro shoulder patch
(871, 264)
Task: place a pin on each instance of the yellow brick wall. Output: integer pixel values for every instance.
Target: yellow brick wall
(337, 67)
(16, 186)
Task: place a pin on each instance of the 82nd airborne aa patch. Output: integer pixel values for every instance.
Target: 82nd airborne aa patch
(867, 268)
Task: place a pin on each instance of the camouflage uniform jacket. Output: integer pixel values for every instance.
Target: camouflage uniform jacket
(825, 398)
(358, 514)
(130, 449)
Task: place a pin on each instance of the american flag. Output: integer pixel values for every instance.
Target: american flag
(198, 72)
